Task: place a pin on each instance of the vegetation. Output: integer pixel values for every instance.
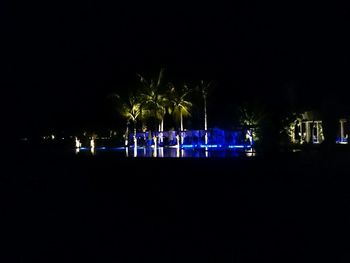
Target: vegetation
(156, 101)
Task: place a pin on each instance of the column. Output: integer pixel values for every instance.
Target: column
(307, 132)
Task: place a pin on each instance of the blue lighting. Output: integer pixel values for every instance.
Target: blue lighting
(118, 148)
(239, 146)
(187, 146)
(101, 148)
(210, 145)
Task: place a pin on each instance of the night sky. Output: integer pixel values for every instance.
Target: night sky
(62, 60)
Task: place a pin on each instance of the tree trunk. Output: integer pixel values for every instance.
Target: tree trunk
(205, 121)
(126, 134)
(181, 122)
(135, 138)
(161, 130)
(181, 127)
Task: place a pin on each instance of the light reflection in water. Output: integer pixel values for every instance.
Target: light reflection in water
(164, 152)
(135, 151)
(93, 150)
(250, 152)
(155, 151)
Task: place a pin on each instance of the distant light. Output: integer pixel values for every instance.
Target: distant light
(92, 143)
(77, 143)
(239, 146)
(92, 150)
(210, 146)
(187, 146)
(118, 148)
(135, 151)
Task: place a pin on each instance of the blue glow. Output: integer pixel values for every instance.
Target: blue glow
(118, 148)
(210, 145)
(84, 148)
(101, 148)
(188, 146)
(239, 146)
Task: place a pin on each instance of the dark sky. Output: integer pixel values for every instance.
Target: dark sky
(61, 60)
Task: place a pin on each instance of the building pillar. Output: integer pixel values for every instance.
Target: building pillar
(318, 132)
(307, 132)
(301, 132)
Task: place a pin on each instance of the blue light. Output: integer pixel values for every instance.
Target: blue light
(210, 145)
(118, 148)
(100, 148)
(187, 146)
(239, 146)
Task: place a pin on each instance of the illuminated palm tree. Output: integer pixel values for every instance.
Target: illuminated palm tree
(152, 100)
(130, 110)
(204, 90)
(179, 106)
(251, 117)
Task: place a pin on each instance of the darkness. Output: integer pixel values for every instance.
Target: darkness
(61, 60)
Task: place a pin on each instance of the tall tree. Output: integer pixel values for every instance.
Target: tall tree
(130, 110)
(179, 105)
(204, 87)
(153, 100)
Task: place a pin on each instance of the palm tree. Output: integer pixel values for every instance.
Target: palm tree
(204, 90)
(130, 110)
(152, 100)
(251, 117)
(179, 106)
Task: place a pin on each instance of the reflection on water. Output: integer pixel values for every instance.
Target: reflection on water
(135, 151)
(250, 152)
(160, 152)
(93, 150)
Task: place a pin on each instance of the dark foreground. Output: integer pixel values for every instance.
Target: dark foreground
(286, 208)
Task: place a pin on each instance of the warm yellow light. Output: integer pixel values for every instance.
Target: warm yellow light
(126, 151)
(77, 143)
(93, 150)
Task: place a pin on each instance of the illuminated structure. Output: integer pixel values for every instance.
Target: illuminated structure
(212, 138)
(309, 129)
